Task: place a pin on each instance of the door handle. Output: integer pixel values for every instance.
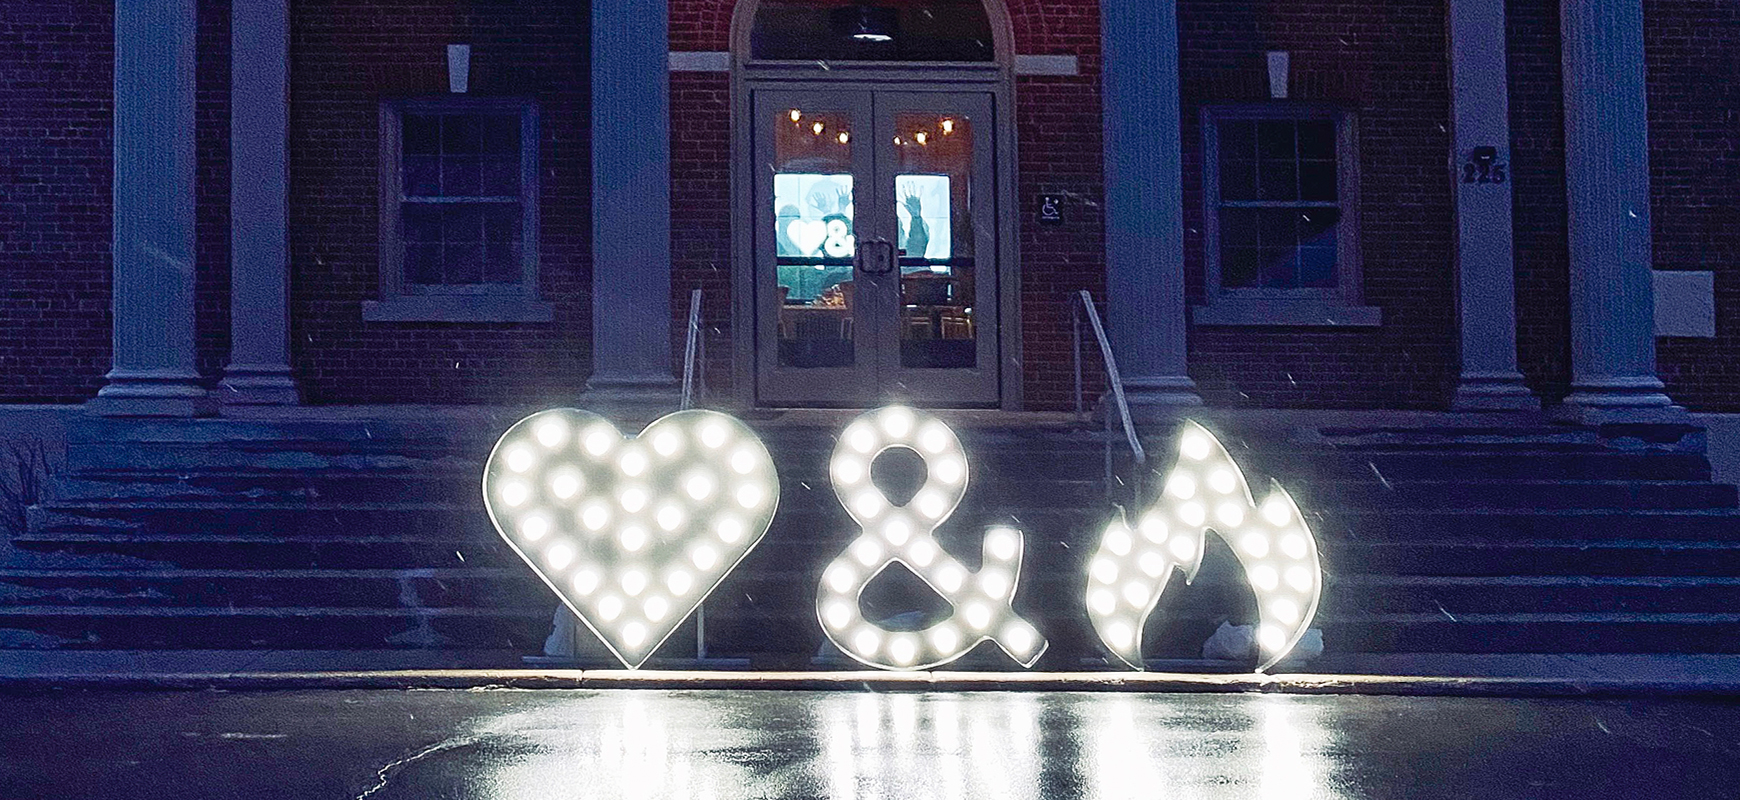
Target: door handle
(875, 256)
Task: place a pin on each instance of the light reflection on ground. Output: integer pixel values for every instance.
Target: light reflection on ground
(799, 745)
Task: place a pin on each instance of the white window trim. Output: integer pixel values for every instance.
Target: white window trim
(399, 302)
(1337, 306)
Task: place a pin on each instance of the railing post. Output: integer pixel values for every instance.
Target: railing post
(689, 349)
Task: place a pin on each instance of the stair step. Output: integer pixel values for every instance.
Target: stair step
(1372, 525)
(288, 628)
(435, 588)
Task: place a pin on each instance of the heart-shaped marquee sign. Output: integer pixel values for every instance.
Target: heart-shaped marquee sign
(632, 534)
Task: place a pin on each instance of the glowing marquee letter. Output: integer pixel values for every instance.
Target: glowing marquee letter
(632, 534)
(906, 534)
(1206, 491)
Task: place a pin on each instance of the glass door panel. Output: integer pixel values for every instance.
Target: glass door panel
(814, 167)
(875, 242)
(937, 173)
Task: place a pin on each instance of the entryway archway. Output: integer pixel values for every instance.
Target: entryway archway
(874, 244)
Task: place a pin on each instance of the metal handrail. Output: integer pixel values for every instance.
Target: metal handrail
(1084, 302)
(692, 361)
(691, 350)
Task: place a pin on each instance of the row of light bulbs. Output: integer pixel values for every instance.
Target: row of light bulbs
(844, 137)
(633, 534)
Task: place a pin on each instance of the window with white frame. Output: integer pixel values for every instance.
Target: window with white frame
(459, 212)
(1280, 189)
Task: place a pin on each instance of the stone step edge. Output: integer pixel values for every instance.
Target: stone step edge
(1718, 684)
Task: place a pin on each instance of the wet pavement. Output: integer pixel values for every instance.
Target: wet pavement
(798, 744)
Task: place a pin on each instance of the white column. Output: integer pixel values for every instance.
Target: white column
(1607, 185)
(1144, 201)
(259, 369)
(1485, 264)
(631, 205)
(154, 373)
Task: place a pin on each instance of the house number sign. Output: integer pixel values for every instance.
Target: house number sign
(1484, 166)
(633, 533)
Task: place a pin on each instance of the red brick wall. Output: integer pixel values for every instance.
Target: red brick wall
(1537, 157)
(1692, 53)
(1057, 130)
(1386, 63)
(346, 56)
(56, 86)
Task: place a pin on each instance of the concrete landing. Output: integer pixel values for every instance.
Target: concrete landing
(507, 745)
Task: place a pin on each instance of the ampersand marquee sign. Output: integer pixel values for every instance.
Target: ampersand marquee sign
(632, 534)
(904, 534)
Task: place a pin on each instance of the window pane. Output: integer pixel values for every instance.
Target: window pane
(422, 223)
(1317, 225)
(422, 134)
(1317, 266)
(1238, 180)
(1238, 267)
(500, 134)
(462, 263)
(461, 135)
(813, 238)
(422, 176)
(501, 176)
(1275, 139)
(1280, 268)
(1238, 227)
(1278, 180)
(1317, 139)
(1275, 227)
(460, 176)
(501, 239)
(1238, 141)
(1317, 181)
(462, 223)
(422, 263)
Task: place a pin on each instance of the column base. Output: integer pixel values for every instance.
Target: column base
(1493, 391)
(151, 393)
(257, 385)
(1616, 401)
(1157, 397)
(632, 397)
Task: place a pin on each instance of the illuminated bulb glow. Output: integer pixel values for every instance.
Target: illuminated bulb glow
(519, 459)
(551, 432)
(534, 527)
(890, 533)
(684, 501)
(1269, 539)
(565, 484)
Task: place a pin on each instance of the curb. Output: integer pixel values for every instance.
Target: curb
(1140, 682)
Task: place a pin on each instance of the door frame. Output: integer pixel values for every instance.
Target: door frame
(995, 79)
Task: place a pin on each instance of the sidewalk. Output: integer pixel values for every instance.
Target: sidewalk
(801, 745)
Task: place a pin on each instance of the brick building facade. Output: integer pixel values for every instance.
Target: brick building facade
(1386, 67)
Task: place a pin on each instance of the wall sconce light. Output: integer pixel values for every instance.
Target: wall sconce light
(870, 24)
(458, 68)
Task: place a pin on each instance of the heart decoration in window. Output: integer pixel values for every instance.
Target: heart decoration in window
(632, 534)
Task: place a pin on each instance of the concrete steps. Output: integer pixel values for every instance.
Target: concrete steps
(370, 535)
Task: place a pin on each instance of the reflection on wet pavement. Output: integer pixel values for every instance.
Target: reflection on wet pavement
(514, 745)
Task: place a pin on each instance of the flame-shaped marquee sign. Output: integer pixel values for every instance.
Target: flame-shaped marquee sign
(632, 534)
(1206, 491)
